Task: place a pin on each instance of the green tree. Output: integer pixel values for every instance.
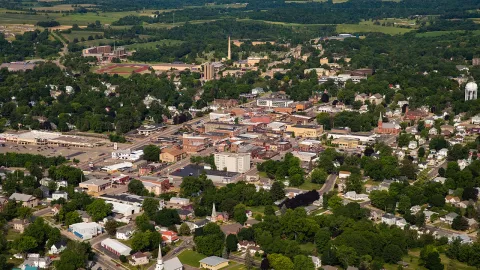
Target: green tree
(322, 237)
(231, 242)
(184, 229)
(392, 253)
(150, 206)
(346, 255)
(302, 262)
(72, 218)
(151, 153)
(111, 227)
(404, 204)
(98, 209)
(460, 223)
(280, 262)
(211, 242)
(123, 259)
(136, 187)
(421, 152)
(25, 244)
(354, 183)
(239, 213)
(318, 176)
(75, 256)
(143, 223)
(277, 191)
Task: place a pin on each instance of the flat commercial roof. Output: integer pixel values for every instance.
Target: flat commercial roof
(213, 260)
(195, 170)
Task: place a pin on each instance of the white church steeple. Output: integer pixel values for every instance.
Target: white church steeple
(159, 265)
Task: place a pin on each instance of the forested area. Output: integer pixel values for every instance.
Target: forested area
(30, 44)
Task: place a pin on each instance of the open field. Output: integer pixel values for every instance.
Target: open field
(190, 257)
(362, 28)
(62, 7)
(96, 42)
(80, 34)
(154, 44)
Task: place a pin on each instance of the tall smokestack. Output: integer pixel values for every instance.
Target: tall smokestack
(229, 49)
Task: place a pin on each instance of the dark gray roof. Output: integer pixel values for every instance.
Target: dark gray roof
(213, 260)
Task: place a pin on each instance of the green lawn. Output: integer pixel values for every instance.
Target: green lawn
(259, 209)
(307, 248)
(12, 235)
(154, 44)
(309, 185)
(414, 262)
(190, 257)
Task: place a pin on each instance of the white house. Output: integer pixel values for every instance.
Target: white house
(476, 120)
(317, 262)
(443, 152)
(415, 209)
(58, 247)
(124, 233)
(34, 260)
(412, 144)
(344, 174)
(389, 219)
(352, 195)
(59, 194)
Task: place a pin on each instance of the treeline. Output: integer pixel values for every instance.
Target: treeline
(48, 23)
(21, 160)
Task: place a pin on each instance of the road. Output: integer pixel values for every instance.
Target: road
(434, 172)
(329, 184)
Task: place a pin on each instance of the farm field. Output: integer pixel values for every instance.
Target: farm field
(80, 34)
(63, 7)
(362, 28)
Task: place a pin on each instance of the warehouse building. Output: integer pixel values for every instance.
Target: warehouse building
(116, 247)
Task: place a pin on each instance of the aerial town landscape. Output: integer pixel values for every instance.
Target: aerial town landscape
(272, 135)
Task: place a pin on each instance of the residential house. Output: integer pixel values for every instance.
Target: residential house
(34, 260)
(84, 216)
(59, 194)
(124, 233)
(415, 209)
(56, 209)
(27, 200)
(389, 219)
(169, 237)
(185, 214)
(139, 258)
(58, 247)
(448, 218)
(352, 195)
(452, 199)
(20, 224)
(428, 214)
(317, 262)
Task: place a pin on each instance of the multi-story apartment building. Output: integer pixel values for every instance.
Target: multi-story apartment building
(273, 102)
(234, 162)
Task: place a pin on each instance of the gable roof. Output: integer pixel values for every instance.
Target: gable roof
(21, 197)
(213, 260)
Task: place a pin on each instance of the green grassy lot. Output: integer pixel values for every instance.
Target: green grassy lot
(413, 259)
(80, 34)
(190, 257)
(96, 42)
(363, 28)
(259, 209)
(307, 248)
(167, 42)
(12, 235)
(309, 185)
(62, 7)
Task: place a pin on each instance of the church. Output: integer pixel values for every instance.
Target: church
(387, 128)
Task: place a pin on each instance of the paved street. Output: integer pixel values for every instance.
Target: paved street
(329, 184)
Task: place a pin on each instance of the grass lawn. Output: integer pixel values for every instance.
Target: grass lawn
(308, 247)
(362, 28)
(62, 7)
(12, 235)
(263, 174)
(413, 259)
(190, 257)
(259, 209)
(124, 69)
(309, 185)
(96, 42)
(154, 44)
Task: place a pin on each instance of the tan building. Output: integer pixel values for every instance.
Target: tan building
(193, 144)
(20, 224)
(346, 143)
(27, 200)
(213, 263)
(173, 154)
(306, 131)
(95, 185)
(139, 258)
(323, 61)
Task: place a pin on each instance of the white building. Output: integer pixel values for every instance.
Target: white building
(234, 162)
(116, 247)
(34, 260)
(124, 234)
(273, 102)
(59, 194)
(85, 230)
(127, 154)
(257, 91)
(476, 120)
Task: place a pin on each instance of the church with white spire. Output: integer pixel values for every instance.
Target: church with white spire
(172, 264)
